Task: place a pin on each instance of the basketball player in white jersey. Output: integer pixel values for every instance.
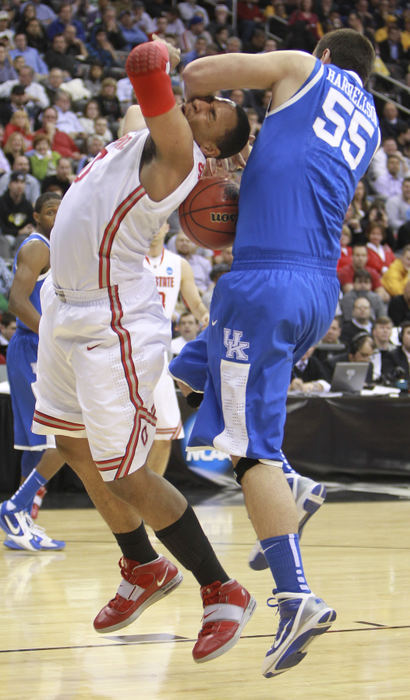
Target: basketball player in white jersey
(103, 335)
(173, 275)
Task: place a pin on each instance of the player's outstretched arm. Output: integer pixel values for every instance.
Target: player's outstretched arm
(252, 71)
(147, 67)
(33, 260)
(133, 120)
(191, 296)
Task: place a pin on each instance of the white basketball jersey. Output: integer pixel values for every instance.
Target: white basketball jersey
(167, 271)
(106, 220)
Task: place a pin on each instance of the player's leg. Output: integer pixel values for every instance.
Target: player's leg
(39, 464)
(189, 368)
(169, 424)
(243, 413)
(158, 457)
(308, 494)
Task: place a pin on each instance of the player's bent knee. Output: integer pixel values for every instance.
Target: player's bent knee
(246, 463)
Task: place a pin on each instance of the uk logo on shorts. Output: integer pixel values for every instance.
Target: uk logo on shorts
(235, 347)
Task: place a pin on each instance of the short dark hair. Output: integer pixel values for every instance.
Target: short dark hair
(7, 317)
(349, 50)
(358, 341)
(383, 321)
(44, 198)
(234, 141)
(362, 275)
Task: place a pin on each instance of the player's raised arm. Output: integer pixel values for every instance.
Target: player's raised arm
(147, 67)
(259, 71)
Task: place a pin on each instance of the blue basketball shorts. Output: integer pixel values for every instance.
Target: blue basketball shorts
(21, 370)
(261, 322)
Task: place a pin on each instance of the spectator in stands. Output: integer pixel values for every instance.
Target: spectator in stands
(377, 212)
(390, 184)
(398, 207)
(190, 9)
(142, 19)
(7, 329)
(132, 34)
(14, 146)
(16, 212)
(112, 29)
(361, 320)
(94, 144)
(201, 267)
(7, 71)
(330, 345)
(234, 45)
(396, 362)
(43, 160)
(392, 53)
(101, 49)
(44, 13)
(109, 103)
(221, 14)
(91, 112)
(345, 247)
(53, 83)
(381, 332)
(101, 129)
(309, 19)
(67, 120)
(59, 140)
(6, 33)
(196, 28)
(200, 49)
(378, 166)
(398, 274)
(63, 20)
(390, 123)
(399, 306)
(6, 280)
(216, 272)
(31, 56)
(359, 262)
(310, 369)
(36, 35)
(188, 329)
(32, 189)
(95, 74)
(57, 56)
(62, 179)
(28, 12)
(362, 285)
(21, 123)
(360, 202)
(75, 47)
(379, 254)
(257, 41)
(360, 349)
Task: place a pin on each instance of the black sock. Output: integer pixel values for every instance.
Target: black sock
(135, 545)
(188, 543)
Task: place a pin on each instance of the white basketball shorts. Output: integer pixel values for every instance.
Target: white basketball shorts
(100, 357)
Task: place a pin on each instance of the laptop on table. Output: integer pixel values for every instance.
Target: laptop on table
(349, 377)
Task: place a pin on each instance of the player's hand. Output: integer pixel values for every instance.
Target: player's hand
(204, 322)
(173, 52)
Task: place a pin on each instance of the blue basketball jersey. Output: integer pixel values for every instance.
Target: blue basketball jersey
(303, 170)
(21, 369)
(35, 295)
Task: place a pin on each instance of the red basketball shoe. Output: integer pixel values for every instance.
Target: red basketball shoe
(227, 609)
(142, 585)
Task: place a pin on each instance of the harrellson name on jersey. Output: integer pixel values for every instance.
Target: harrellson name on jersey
(355, 94)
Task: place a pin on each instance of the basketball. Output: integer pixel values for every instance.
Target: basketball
(208, 215)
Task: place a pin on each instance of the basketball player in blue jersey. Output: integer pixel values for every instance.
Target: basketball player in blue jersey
(39, 461)
(280, 296)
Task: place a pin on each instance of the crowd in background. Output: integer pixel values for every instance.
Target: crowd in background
(64, 92)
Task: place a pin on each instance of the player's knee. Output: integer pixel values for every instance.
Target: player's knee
(246, 463)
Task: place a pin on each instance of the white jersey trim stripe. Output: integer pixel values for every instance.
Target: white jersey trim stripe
(299, 94)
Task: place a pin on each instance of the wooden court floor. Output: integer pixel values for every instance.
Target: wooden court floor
(357, 556)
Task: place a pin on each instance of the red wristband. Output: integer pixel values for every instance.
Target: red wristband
(146, 68)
